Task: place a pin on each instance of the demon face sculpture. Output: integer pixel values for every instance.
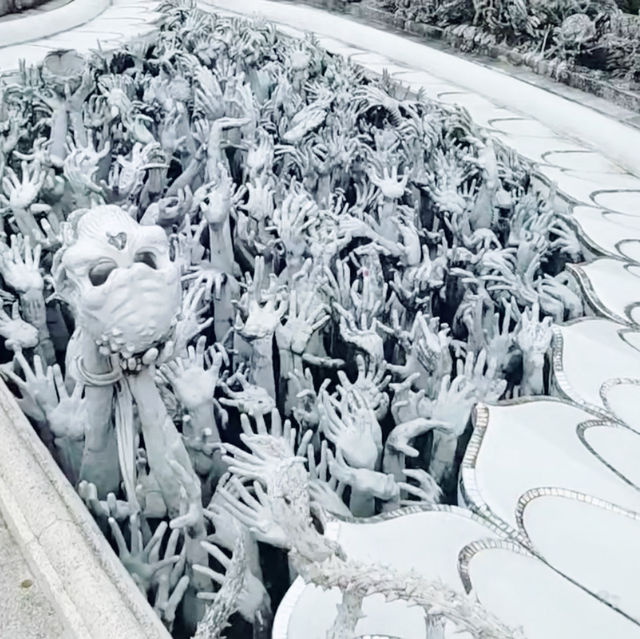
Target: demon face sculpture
(119, 280)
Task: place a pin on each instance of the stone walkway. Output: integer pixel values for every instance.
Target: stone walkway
(122, 21)
(25, 611)
(47, 6)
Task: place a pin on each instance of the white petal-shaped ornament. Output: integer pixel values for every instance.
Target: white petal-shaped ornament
(590, 541)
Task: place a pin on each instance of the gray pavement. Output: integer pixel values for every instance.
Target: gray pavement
(25, 611)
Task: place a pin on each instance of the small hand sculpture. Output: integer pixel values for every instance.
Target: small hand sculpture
(141, 560)
(362, 334)
(351, 425)
(408, 404)
(278, 430)
(170, 581)
(325, 490)
(481, 372)
(426, 493)
(226, 527)
(387, 180)
(17, 333)
(303, 319)
(263, 319)
(305, 410)
(428, 352)
(260, 155)
(191, 320)
(67, 421)
(500, 339)
(103, 509)
(558, 297)
(291, 219)
(371, 382)
(252, 510)
(365, 481)
(81, 166)
(453, 403)
(250, 399)
(20, 194)
(534, 340)
(215, 200)
(260, 205)
(35, 389)
(566, 240)
(20, 265)
(453, 408)
(253, 599)
(191, 379)
(398, 441)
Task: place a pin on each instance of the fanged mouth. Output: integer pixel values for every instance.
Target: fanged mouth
(112, 345)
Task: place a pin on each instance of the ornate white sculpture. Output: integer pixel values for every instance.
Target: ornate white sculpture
(233, 242)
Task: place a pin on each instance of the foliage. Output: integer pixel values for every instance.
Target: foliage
(588, 33)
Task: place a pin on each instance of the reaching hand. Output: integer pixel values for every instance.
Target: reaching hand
(388, 182)
(253, 598)
(325, 490)
(566, 239)
(250, 399)
(371, 382)
(306, 409)
(226, 527)
(278, 430)
(215, 199)
(170, 581)
(351, 425)
(36, 387)
(191, 320)
(141, 560)
(304, 318)
(362, 334)
(500, 339)
(426, 493)
(81, 165)
(481, 372)
(408, 404)
(534, 339)
(260, 205)
(453, 404)
(20, 265)
(534, 336)
(17, 333)
(193, 382)
(294, 216)
(69, 418)
(364, 480)
(558, 299)
(400, 437)
(22, 193)
(252, 510)
(103, 509)
(260, 155)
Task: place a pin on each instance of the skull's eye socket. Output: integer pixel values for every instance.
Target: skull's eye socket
(99, 273)
(146, 257)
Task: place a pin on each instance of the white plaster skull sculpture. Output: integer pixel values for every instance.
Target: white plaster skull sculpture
(119, 280)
